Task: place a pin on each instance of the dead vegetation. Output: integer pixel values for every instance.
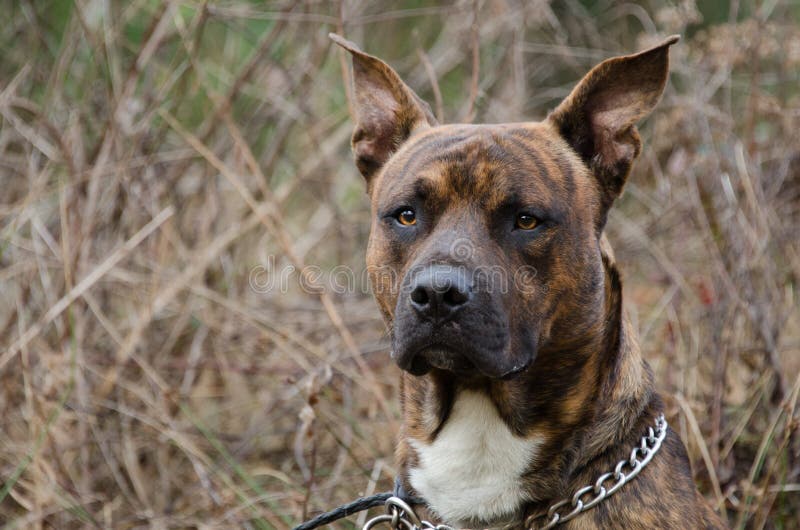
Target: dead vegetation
(158, 158)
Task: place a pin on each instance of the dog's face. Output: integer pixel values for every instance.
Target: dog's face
(485, 247)
(484, 238)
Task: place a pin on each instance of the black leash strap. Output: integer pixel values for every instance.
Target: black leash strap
(359, 505)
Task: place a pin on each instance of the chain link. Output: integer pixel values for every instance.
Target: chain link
(400, 516)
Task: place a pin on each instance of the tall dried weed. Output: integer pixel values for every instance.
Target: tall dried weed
(159, 160)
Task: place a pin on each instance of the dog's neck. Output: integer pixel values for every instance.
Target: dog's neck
(624, 382)
(588, 403)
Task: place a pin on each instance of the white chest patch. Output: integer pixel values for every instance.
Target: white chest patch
(472, 469)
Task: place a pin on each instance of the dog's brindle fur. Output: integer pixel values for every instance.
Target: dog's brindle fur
(533, 391)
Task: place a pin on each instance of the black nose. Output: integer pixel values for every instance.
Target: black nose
(439, 291)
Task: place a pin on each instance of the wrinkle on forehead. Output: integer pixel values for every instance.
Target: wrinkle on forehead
(484, 164)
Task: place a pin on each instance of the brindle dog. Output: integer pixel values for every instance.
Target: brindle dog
(523, 379)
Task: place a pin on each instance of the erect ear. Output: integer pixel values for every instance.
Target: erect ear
(598, 119)
(387, 110)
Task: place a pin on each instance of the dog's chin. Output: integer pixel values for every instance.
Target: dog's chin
(443, 358)
(446, 359)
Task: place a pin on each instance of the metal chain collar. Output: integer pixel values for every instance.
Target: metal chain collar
(402, 517)
(640, 457)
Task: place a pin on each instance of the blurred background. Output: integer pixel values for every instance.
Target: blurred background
(164, 165)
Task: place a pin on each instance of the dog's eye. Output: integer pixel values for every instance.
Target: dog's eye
(526, 221)
(407, 217)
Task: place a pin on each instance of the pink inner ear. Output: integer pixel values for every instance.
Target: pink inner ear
(613, 113)
(377, 127)
(618, 109)
(613, 141)
(386, 110)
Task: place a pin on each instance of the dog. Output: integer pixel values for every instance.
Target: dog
(523, 385)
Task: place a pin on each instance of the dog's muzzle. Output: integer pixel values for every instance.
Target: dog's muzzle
(442, 320)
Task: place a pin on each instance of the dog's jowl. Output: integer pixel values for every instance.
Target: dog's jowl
(522, 379)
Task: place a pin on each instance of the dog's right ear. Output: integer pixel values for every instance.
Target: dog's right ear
(387, 110)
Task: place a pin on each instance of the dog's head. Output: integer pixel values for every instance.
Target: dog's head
(485, 248)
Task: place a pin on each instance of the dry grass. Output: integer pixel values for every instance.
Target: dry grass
(153, 154)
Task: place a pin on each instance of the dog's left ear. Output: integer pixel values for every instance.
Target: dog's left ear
(387, 110)
(598, 119)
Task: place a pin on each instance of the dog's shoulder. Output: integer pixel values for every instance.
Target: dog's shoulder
(662, 496)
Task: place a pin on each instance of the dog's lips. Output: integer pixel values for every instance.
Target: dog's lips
(517, 369)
